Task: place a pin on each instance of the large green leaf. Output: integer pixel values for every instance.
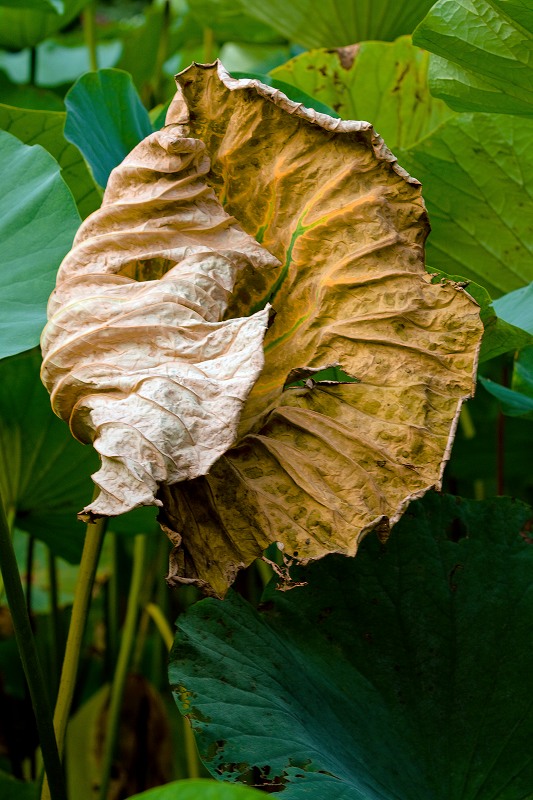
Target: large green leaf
(38, 220)
(334, 23)
(199, 790)
(477, 176)
(105, 119)
(402, 674)
(516, 308)
(22, 27)
(53, 6)
(44, 471)
(46, 128)
(385, 83)
(484, 49)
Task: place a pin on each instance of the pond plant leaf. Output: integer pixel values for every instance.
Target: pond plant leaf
(44, 472)
(21, 26)
(334, 23)
(332, 236)
(38, 219)
(483, 54)
(199, 789)
(105, 119)
(36, 126)
(403, 674)
(384, 82)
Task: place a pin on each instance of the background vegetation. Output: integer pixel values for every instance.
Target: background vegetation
(402, 673)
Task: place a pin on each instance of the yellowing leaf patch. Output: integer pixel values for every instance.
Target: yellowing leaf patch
(154, 348)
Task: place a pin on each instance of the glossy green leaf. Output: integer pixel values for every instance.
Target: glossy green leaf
(514, 404)
(22, 27)
(199, 790)
(44, 471)
(517, 308)
(516, 401)
(334, 23)
(105, 119)
(403, 673)
(384, 83)
(46, 128)
(38, 220)
(477, 177)
(484, 50)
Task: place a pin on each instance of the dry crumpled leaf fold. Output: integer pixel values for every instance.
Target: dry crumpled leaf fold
(154, 349)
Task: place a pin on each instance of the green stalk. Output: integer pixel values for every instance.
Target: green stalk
(30, 661)
(166, 633)
(89, 31)
(209, 45)
(55, 656)
(89, 562)
(124, 657)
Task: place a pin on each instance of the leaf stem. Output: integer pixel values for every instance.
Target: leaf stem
(30, 661)
(124, 656)
(89, 31)
(191, 751)
(89, 562)
(209, 42)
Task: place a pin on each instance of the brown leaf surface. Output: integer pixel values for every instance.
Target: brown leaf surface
(136, 355)
(317, 467)
(156, 333)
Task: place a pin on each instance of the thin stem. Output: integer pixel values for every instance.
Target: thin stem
(54, 615)
(191, 751)
(89, 31)
(113, 599)
(29, 573)
(161, 624)
(124, 656)
(161, 55)
(30, 661)
(209, 45)
(33, 66)
(94, 537)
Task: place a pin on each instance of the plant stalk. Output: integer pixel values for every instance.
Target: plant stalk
(89, 31)
(166, 633)
(30, 661)
(89, 562)
(123, 662)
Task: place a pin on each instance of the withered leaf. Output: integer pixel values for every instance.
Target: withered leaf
(314, 467)
(136, 355)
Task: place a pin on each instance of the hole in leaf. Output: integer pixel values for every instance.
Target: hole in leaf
(308, 377)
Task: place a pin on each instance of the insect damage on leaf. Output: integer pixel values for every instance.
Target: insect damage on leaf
(158, 347)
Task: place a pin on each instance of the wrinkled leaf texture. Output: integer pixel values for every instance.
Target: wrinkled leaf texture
(154, 349)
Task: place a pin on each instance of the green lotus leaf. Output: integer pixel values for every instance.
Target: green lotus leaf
(22, 26)
(38, 220)
(199, 790)
(477, 174)
(105, 119)
(53, 6)
(401, 674)
(484, 54)
(46, 128)
(383, 82)
(516, 308)
(334, 23)
(44, 472)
